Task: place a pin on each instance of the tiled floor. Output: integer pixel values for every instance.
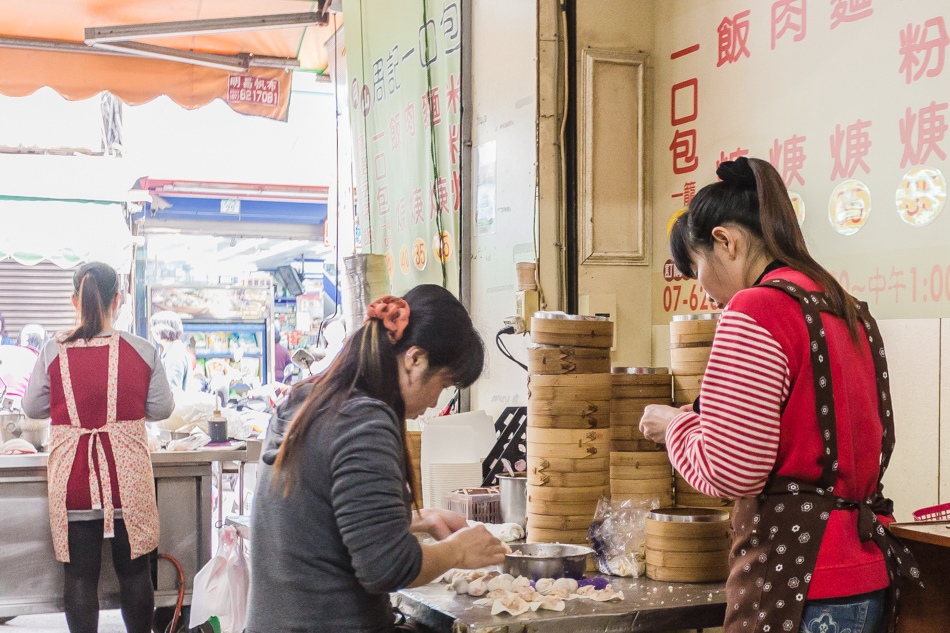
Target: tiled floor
(109, 622)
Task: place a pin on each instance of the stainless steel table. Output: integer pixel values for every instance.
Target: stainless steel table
(649, 605)
(31, 579)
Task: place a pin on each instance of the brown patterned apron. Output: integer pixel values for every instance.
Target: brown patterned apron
(778, 534)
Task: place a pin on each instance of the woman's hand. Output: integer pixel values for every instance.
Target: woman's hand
(656, 418)
(438, 523)
(475, 548)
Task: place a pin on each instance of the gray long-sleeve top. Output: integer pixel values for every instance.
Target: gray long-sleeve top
(325, 557)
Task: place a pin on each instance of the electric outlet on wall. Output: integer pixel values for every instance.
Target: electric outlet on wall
(602, 305)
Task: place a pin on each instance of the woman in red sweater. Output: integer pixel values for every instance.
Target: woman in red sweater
(793, 420)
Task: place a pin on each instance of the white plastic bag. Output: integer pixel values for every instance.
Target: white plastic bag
(221, 586)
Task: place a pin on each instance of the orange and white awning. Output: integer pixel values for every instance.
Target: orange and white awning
(194, 51)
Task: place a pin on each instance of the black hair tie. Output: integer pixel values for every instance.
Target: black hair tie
(737, 172)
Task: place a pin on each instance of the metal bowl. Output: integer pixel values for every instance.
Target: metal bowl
(548, 560)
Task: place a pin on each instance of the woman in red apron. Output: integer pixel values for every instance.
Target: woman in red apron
(793, 421)
(99, 387)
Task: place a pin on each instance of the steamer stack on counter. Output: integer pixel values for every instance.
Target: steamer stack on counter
(639, 469)
(691, 338)
(688, 545)
(569, 393)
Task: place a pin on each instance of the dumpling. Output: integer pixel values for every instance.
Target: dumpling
(543, 585)
(586, 592)
(550, 603)
(561, 592)
(520, 581)
(459, 585)
(514, 605)
(607, 594)
(500, 582)
(569, 583)
(477, 588)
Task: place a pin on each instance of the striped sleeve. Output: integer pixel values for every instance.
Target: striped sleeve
(729, 449)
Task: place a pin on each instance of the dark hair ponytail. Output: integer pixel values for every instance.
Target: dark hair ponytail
(368, 362)
(96, 285)
(753, 196)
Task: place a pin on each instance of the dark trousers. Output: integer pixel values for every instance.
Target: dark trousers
(81, 590)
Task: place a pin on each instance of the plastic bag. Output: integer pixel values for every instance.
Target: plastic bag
(617, 535)
(195, 440)
(221, 586)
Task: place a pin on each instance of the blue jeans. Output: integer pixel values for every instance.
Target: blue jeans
(853, 614)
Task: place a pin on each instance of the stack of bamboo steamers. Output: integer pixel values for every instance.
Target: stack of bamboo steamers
(691, 338)
(639, 468)
(569, 395)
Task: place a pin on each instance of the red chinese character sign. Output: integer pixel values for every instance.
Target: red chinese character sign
(404, 71)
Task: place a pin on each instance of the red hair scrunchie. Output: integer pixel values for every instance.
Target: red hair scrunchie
(393, 312)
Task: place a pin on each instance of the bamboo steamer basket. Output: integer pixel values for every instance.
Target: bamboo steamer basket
(634, 446)
(621, 487)
(414, 443)
(688, 329)
(554, 493)
(695, 368)
(641, 472)
(638, 459)
(567, 407)
(577, 422)
(631, 406)
(554, 478)
(685, 396)
(541, 535)
(574, 381)
(691, 560)
(538, 392)
(561, 508)
(551, 328)
(687, 381)
(654, 393)
(598, 464)
(623, 418)
(566, 523)
(650, 499)
(689, 497)
(579, 450)
(552, 360)
(567, 436)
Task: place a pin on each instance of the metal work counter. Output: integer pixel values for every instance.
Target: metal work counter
(31, 579)
(648, 605)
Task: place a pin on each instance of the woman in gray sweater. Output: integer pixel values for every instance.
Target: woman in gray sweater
(332, 522)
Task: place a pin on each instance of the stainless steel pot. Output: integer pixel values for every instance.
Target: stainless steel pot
(514, 498)
(15, 424)
(548, 560)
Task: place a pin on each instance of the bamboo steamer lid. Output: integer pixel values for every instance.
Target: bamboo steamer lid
(666, 544)
(567, 523)
(554, 478)
(555, 394)
(573, 331)
(714, 558)
(640, 472)
(567, 436)
(561, 508)
(634, 446)
(640, 486)
(694, 324)
(687, 381)
(687, 523)
(571, 537)
(665, 499)
(567, 407)
(568, 451)
(682, 485)
(568, 360)
(633, 406)
(637, 459)
(552, 493)
(579, 422)
(567, 465)
(688, 574)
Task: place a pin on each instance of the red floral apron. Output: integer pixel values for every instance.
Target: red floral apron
(778, 534)
(132, 462)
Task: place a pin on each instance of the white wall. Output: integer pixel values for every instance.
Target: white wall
(504, 104)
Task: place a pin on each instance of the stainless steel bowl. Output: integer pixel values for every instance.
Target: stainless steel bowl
(548, 560)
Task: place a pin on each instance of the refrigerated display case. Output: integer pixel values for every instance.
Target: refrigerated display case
(229, 328)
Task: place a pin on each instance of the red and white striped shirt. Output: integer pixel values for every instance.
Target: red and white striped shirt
(730, 450)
